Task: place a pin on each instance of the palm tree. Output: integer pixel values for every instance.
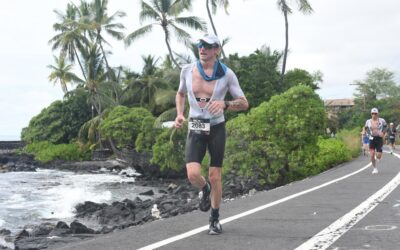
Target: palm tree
(62, 73)
(166, 14)
(214, 6)
(96, 82)
(305, 8)
(150, 65)
(96, 21)
(70, 36)
(100, 21)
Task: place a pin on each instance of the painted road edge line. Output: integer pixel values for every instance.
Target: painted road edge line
(333, 232)
(252, 211)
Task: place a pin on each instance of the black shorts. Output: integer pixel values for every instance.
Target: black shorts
(197, 144)
(376, 143)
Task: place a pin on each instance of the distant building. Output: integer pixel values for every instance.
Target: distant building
(334, 106)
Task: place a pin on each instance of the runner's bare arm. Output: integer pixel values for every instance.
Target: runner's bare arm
(180, 103)
(180, 106)
(238, 104)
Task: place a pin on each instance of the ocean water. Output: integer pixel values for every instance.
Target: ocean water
(10, 138)
(51, 195)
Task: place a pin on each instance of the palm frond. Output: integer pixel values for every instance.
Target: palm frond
(138, 34)
(181, 35)
(178, 6)
(164, 97)
(283, 6)
(304, 7)
(192, 22)
(148, 13)
(219, 3)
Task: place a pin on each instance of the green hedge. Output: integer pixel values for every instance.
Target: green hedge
(45, 151)
(123, 125)
(352, 140)
(275, 140)
(331, 153)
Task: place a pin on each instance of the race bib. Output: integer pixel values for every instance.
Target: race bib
(371, 138)
(391, 137)
(197, 124)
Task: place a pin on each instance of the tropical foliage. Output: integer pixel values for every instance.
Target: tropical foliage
(279, 140)
(123, 125)
(276, 138)
(169, 149)
(61, 121)
(45, 151)
(167, 14)
(379, 90)
(304, 7)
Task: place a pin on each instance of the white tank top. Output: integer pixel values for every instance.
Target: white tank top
(382, 124)
(229, 82)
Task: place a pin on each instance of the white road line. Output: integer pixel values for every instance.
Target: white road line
(252, 211)
(329, 235)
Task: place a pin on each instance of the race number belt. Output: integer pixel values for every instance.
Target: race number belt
(200, 125)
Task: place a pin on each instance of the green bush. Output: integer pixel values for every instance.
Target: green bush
(352, 140)
(148, 135)
(60, 122)
(123, 125)
(276, 138)
(169, 149)
(331, 153)
(45, 151)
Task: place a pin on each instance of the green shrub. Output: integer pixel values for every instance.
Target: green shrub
(331, 153)
(352, 140)
(276, 138)
(169, 149)
(60, 121)
(123, 125)
(45, 151)
(148, 135)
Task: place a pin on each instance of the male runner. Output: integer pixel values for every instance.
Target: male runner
(392, 136)
(375, 127)
(206, 83)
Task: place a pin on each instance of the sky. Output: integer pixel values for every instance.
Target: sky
(343, 39)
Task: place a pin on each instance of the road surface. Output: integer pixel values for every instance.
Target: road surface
(345, 207)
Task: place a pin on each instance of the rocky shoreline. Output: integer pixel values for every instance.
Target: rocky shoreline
(173, 197)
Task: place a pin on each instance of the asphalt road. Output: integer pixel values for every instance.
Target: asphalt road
(346, 207)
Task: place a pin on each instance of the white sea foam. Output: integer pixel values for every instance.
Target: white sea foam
(53, 194)
(6, 244)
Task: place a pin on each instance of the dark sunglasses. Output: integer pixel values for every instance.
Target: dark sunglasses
(206, 45)
(374, 113)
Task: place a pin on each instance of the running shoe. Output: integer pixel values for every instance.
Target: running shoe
(215, 227)
(375, 171)
(205, 201)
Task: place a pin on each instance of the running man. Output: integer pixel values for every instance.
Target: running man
(392, 137)
(206, 83)
(375, 128)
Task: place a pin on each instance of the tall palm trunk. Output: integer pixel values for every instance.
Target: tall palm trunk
(80, 64)
(213, 26)
(169, 48)
(64, 86)
(286, 45)
(113, 80)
